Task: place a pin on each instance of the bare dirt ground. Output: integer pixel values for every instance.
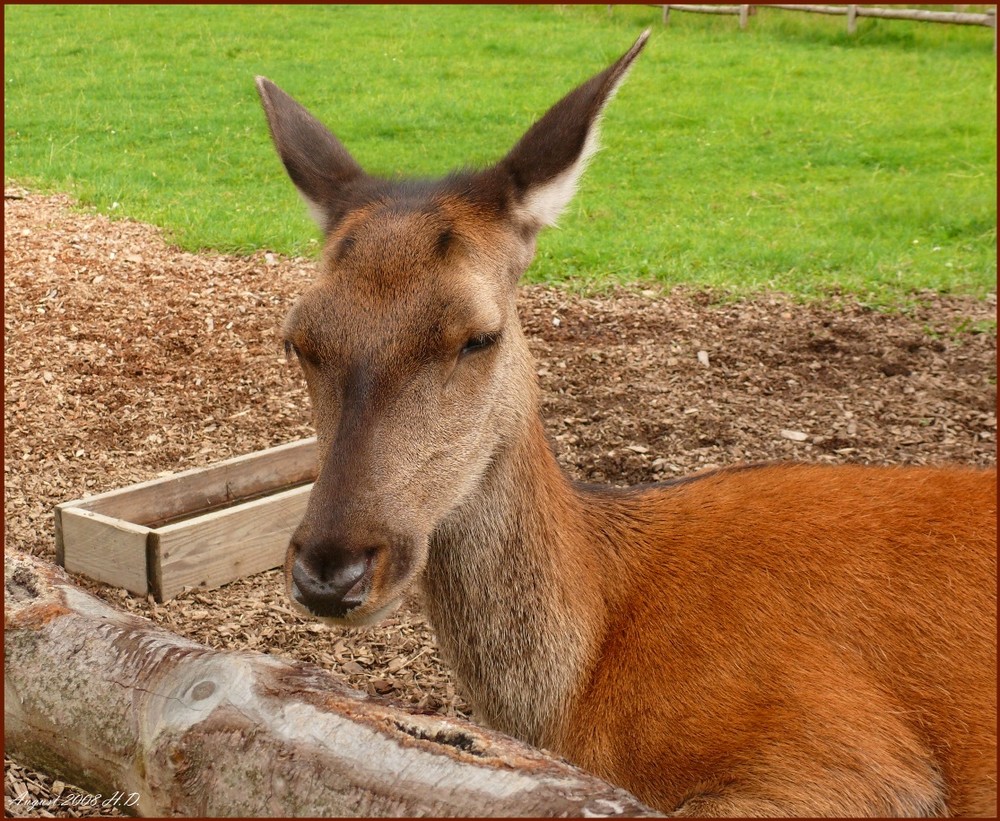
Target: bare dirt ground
(126, 358)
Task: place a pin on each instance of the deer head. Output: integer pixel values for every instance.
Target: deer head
(416, 365)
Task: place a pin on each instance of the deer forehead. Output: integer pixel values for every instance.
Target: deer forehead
(390, 243)
(410, 283)
(398, 246)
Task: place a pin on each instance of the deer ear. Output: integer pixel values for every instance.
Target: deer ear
(319, 165)
(544, 167)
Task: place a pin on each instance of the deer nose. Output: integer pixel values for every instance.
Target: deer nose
(329, 582)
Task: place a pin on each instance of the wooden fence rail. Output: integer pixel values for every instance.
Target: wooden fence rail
(852, 12)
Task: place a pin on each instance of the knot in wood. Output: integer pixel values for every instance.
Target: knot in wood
(202, 690)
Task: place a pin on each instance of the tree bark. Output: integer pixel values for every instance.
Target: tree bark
(111, 702)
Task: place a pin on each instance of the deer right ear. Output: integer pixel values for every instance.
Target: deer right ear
(319, 165)
(542, 170)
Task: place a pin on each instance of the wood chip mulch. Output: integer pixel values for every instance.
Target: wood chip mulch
(126, 358)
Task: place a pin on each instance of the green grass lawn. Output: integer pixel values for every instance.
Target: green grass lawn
(787, 156)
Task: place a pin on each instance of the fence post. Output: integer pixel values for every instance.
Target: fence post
(744, 15)
(852, 19)
(666, 13)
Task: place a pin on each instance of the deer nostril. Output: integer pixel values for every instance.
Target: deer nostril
(336, 583)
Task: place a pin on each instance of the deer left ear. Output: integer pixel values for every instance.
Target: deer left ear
(544, 167)
(322, 169)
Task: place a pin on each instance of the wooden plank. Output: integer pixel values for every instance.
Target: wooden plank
(707, 9)
(160, 500)
(219, 547)
(812, 9)
(924, 14)
(105, 549)
(960, 18)
(60, 551)
(203, 527)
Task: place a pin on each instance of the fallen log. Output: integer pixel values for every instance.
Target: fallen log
(113, 703)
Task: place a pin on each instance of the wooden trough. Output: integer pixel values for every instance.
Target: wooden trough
(200, 528)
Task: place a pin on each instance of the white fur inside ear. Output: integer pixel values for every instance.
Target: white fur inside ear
(543, 203)
(316, 211)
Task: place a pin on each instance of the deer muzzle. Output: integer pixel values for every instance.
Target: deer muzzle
(330, 581)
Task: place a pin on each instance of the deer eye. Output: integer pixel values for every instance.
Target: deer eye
(479, 342)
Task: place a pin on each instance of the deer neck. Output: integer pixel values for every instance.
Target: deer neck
(513, 591)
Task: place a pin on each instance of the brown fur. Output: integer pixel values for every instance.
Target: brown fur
(759, 640)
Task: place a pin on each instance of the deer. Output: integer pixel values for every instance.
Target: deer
(762, 639)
